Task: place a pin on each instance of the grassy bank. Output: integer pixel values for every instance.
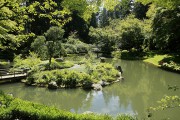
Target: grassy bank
(14, 108)
(155, 59)
(170, 62)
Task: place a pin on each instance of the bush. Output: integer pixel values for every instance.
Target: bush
(171, 63)
(58, 65)
(172, 66)
(64, 78)
(132, 54)
(73, 45)
(125, 54)
(105, 72)
(82, 48)
(125, 117)
(70, 48)
(31, 62)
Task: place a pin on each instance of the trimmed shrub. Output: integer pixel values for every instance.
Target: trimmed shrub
(105, 72)
(82, 48)
(58, 65)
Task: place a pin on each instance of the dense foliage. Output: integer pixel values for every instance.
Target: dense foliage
(154, 25)
(71, 79)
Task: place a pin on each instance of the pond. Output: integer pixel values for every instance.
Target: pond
(142, 87)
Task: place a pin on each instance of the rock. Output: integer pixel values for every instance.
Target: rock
(119, 68)
(10, 94)
(96, 86)
(59, 59)
(103, 59)
(119, 74)
(52, 85)
(87, 85)
(103, 83)
(87, 112)
(121, 78)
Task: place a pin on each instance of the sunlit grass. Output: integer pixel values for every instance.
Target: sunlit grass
(155, 59)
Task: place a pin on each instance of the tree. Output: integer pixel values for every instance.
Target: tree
(168, 4)
(166, 28)
(39, 47)
(104, 39)
(54, 37)
(12, 21)
(45, 13)
(140, 10)
(103, 18)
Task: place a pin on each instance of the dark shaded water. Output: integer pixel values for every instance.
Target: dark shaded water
(143, 86)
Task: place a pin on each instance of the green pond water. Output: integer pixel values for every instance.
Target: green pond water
(142, 87)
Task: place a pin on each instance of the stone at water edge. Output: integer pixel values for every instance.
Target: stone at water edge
(102, 59)
(103, 83)
(87, 112)
(59, 59)
(52, 85)
(96, 86)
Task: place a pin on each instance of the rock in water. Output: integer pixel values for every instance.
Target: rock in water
(96, 86)
(52, 85)
(103, 83)
(87, 112)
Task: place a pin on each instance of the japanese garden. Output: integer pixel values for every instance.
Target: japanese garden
(89, 59)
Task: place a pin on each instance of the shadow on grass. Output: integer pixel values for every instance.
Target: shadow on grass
(171, 63)
(174, 58)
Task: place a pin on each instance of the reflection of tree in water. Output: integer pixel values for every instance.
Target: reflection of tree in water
(68, 99)
(143, 86)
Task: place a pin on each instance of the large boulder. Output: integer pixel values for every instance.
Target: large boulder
(59, 59)
(52, 85)
(102, 59)
(87, 85)
(96, 86)
(87, 112)
(103, 83)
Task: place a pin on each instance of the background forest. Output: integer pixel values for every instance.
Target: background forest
(136, 26)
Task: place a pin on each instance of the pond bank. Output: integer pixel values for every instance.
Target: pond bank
(166, 62)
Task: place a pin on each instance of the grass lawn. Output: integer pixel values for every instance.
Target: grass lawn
(155, 59)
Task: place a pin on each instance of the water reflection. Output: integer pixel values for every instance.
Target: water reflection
(144, 84)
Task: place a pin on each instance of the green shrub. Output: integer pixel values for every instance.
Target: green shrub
(125, 54)
(172, 66)
(70, 48)
(82, 48)
(4, 63)
(105, 72)
(132, 54)
(64, 78)
(73, 45)
(31, 62)
(170, 63)
(58, 65)
(125, 117)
